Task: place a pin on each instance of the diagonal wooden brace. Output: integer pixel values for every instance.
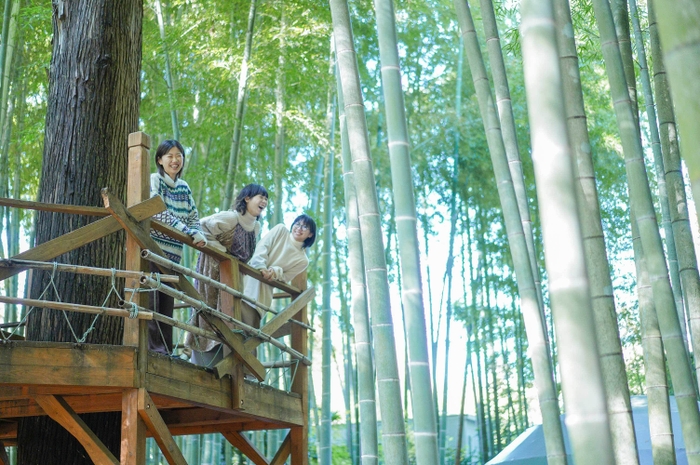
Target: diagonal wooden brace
(283, 452)
(282, 317)
(141, 235)
(241, 443)
(161, 433)
(78, 238)
(235, 342)
(59, 410)
(4, 459)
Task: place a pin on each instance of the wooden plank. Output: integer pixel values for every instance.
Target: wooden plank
(283, 452)
(195, 385)
(78, 238)
(133, 439)
(154, 422)
(60, 411)
(67, 364)
(4, 459)
(53, 207)
(235, 342)
(241, 443)
(282, 317)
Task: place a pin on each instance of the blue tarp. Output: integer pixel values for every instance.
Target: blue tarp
(528, 448)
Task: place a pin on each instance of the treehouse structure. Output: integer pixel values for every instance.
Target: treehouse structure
(158, 396)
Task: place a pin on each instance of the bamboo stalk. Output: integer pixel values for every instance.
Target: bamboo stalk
(581, 373)
(120, 312)
(9, 263)
(598, 269)
(534, 322)
(202, 307)
(171, 321)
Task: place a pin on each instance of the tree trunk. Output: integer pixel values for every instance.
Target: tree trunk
(660, 431)
(424, 426)
(93, 105)
(360, 315)
(582, 379)
(279, 171)
(510, 139)
(168, 71)
(227, 198)
(534, 322)
(597, 266)
(326, 448)
(393, 428)
(676, 189)
(666, 222)
(678, 33)
(643, 210)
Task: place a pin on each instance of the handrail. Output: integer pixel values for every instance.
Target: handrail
(165, 263)
(65, 268)
(201, 306)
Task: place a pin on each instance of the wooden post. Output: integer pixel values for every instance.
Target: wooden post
(133, 444)
(299, 435)
(230, 276)
(137, 190)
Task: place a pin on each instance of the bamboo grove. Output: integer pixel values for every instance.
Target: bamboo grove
(505, 189)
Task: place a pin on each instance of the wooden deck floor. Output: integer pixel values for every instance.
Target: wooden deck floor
(92, 378)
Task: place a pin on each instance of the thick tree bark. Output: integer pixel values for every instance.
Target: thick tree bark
(93, 106)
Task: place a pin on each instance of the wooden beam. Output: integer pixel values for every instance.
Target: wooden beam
(241, 443)
(282, 317)
(133, 438)
(68, 364)
(235, 341)
(8, 430)
(283, 452)
(142, 236)
(78, 238)
(161, 434)
(60, 412)
(53, 207)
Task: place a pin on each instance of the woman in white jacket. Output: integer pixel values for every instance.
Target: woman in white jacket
(280, 255)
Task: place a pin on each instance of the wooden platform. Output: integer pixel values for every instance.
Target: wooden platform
(94, 378)
(157, 395)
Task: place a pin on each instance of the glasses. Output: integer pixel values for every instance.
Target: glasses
(303, 227)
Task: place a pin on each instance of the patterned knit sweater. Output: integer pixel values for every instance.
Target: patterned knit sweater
(181, 214)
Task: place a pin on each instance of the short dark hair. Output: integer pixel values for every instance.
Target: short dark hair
(163, 149)
(251, 190)
(308, 221)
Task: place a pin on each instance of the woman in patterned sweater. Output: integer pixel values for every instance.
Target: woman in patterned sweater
(181, 214)
(234, 231)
